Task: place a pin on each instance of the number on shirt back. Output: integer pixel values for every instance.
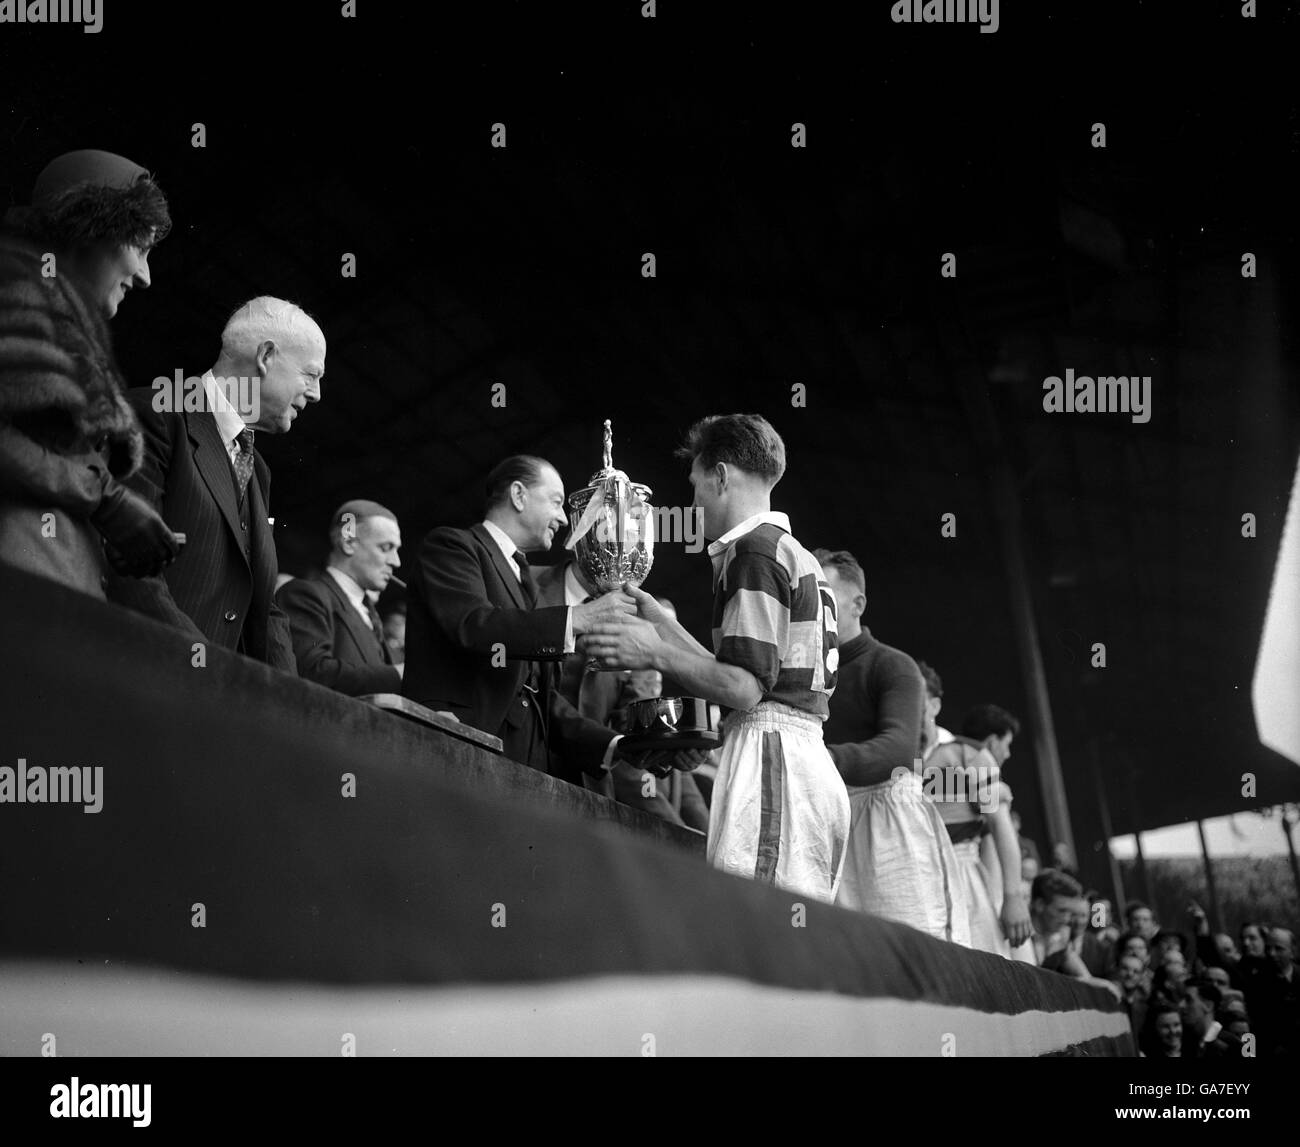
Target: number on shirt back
(830, 635)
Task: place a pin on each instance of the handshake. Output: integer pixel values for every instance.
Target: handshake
(137, 541)
(628, 629)
(622, 630)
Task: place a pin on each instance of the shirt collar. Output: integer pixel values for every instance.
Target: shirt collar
(229, 424)
(765, 518)
(504, 544)
(353, 592)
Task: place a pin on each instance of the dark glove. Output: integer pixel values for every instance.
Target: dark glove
(138, 542)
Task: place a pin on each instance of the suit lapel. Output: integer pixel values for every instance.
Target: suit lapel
(503, 569)
(213, 463)
(362, 634)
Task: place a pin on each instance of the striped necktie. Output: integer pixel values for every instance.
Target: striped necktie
(243, 462)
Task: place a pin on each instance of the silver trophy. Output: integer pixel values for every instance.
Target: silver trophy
(613, 546)
(613, 538)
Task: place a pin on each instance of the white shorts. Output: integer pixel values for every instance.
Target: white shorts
(780, 812)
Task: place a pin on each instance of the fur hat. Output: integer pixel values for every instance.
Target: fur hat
(86, 196)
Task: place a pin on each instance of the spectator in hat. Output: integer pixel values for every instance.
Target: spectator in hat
(68, 439)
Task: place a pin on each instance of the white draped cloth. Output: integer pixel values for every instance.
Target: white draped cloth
(900, 863)
(973, 898)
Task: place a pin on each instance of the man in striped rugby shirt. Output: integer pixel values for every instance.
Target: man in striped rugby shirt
(780, 811)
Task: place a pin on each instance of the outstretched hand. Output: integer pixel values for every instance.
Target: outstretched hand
(623, 643)
(647, 607)
(609, 607)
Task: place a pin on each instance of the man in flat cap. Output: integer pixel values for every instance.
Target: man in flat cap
(338, 638)
(68, 439)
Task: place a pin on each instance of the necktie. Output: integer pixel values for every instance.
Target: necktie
(243, 462)
(378, 626)
(375, 622)
(526, 579)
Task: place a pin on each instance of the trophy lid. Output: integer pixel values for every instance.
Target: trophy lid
(608, 472)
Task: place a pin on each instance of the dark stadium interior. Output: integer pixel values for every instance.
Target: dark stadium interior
(779, 266)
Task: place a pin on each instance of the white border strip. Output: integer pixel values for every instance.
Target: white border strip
(110, 1012)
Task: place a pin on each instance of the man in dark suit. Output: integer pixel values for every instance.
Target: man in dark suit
(598, 693)
(338, 639)
(202, 474)
(479, 644)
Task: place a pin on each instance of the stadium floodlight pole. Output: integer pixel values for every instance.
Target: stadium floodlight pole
(1135, 812)
(972, 386)
(1291, 814)
(1215, 915)
(1006, 510)
(1103, 808)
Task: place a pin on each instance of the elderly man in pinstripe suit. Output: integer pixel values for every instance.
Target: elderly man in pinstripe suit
(203, 474)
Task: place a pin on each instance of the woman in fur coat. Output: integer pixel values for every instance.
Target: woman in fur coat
(67, 437)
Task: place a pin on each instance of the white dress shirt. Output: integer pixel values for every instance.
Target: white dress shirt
(229, 424)
(353, 592)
